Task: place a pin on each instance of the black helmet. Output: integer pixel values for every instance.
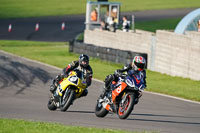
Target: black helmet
(84, 60)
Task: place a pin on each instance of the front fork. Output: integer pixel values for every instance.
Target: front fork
(124, 98)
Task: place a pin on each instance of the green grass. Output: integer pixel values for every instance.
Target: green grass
(132, 5)
(164, 24)
(152, 26)
(57, 54)
(21, 126)
(174, 86)
(54, 53)
(35, 8)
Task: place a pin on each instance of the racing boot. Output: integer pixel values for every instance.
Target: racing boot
(105, 90)
(108, 83)
(55, 82)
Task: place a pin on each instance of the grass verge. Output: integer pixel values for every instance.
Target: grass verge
(21, 126)
(164, 24)
(57, 54)
(36, 8)
(152, 26)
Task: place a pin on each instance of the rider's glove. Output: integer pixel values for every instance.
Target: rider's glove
(59, 77)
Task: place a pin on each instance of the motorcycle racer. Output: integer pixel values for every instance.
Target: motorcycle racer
(83, 65)
(137, 65)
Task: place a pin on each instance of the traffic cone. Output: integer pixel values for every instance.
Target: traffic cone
(9, 27)
(37, 27)
(63, 26)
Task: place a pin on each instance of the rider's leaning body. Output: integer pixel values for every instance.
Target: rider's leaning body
(137, 66)
(83, 65)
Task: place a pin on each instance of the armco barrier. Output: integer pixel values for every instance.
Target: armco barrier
(104, 53)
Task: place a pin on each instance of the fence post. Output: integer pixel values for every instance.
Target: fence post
(133, 23)
(153, 53)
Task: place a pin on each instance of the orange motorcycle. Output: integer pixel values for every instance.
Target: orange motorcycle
(122, 96)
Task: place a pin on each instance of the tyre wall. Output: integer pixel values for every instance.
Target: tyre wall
(104, 53)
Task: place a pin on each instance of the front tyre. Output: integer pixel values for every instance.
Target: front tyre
(51, 105)
(127, 106)
(100, 111)
(67, 100)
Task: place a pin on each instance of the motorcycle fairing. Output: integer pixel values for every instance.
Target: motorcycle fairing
(118, 90)
(72, 80)
(63, 85)
(135, 79)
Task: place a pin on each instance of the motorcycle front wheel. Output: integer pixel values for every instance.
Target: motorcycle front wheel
(67, 100)
(125, 108)
(100, 111)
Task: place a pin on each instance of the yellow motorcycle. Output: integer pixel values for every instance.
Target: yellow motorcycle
(68, 89)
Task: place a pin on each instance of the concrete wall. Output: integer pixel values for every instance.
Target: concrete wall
(140, 41)
(168, 52)
(178, 55)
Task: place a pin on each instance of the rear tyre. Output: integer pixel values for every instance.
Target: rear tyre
(68, 100)
(126, 108)
(51, 105)
(100, 111)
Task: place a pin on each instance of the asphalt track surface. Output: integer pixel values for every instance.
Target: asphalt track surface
(24, 92)
(50, 27)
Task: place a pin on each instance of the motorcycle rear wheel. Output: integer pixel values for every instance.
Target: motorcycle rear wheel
(125, 109)
(51, 105)
(100, 111)
(68, 101)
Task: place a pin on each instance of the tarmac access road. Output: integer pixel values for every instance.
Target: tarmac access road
(24, 92)
(50, 27)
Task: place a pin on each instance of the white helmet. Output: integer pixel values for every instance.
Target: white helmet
(139, 63)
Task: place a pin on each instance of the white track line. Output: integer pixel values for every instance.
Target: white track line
(97, 79)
